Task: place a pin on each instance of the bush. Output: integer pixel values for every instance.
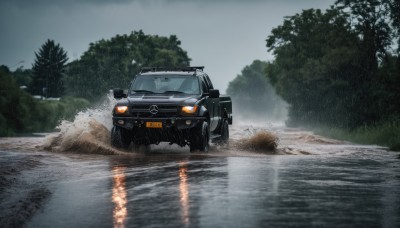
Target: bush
(50, 113)
(20, 113)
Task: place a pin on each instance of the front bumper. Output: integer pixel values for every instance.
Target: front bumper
(179, 123)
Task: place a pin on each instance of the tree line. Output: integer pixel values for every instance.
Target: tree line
(112, 63)
(105, 65)
(339, 69)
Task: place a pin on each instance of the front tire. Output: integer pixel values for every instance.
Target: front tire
(200, 138)
(120, 138)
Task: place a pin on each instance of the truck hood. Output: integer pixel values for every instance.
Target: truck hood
(176, 99)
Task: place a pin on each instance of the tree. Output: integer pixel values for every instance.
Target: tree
(16, 106)
(395, 15)
(108, 64)
(48, 70)
(377, 23)
(21, 113)
(371, 20)
(337, 68)
(254, 96)
(318, 69)
(23, 77)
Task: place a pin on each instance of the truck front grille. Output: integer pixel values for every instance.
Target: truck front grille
(163, 110)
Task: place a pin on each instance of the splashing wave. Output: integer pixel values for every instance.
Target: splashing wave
(88, 133)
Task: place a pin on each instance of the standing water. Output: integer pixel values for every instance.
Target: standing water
(76, 179)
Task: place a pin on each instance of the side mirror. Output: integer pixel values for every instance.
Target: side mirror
(119, 93)
(214, 93)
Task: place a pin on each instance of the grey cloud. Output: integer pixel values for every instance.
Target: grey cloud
(233, 31)
(40, 3)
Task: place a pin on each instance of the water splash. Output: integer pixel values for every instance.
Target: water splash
(258, 140)
(88, 133)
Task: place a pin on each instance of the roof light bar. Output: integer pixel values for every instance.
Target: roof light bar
(187, 68)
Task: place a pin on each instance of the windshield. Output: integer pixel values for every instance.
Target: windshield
(173, 84)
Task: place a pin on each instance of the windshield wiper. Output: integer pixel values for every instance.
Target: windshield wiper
(173, 91)
(142, 91)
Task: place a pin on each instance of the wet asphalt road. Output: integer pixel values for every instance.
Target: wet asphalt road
(335, 186)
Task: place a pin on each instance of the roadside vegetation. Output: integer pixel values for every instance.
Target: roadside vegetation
(338, 70)
(384, 134)
(20, 113)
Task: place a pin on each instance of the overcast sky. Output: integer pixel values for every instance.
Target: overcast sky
(222, 35)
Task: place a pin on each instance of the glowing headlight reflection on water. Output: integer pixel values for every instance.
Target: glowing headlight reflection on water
(184, 192)
(119, 197)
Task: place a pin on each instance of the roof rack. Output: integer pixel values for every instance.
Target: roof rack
(187, 68)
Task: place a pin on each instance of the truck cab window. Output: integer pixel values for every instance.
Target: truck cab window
(204, 86)
(208, 81)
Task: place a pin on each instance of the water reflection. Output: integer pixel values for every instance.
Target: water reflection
(184, 192)
(119, 197)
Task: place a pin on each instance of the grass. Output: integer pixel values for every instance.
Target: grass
(385, 133)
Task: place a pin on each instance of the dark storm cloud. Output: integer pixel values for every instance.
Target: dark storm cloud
(233, 32)
(39, 3)
(36, 2)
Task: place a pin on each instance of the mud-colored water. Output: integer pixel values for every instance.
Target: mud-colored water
(89, 137)
(89, 133)
(74, 178)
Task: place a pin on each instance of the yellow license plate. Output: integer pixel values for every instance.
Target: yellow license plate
(154, 124)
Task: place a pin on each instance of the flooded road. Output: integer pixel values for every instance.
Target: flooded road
(309, 181)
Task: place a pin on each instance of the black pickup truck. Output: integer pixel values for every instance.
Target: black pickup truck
(175, 105)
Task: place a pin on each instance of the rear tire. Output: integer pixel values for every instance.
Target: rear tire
(200, 137)
(120, 137)
(193, 146)
(224, 139)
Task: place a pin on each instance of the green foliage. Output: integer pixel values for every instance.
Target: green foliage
(23, 77)
(371, 20)
(384, 133)
(52, 112)
(317, 68)
(324, 70)
(20, 113)
(16, 106)
(337, 69)
(48, 70)
(112, 63)
(106, 65)
(7, 87)
(395, 15)
(253, 95)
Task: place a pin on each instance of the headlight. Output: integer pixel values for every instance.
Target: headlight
(121, 109)
(190, 109)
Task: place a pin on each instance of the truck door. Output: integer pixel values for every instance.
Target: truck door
(209, 102)
(214, 103)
